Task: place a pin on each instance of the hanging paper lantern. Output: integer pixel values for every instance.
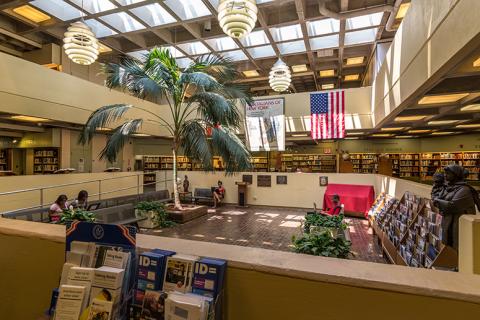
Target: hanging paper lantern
(280, 76)
(80, 44)
(237, 17)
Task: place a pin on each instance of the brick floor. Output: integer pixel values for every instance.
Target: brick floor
(265, 227)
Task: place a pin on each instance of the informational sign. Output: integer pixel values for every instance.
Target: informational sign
(265, 125)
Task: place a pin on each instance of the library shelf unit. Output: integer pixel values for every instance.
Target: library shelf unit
(364, 162)
(433, 161)
(310, 162)
(409, 165)
(45, 160)
(4, 163)
(260, 164)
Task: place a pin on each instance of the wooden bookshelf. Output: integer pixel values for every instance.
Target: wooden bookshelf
(45, 160)
(4, 160)
(260, 164)
(364, 162)
(409, 165)
(309, 162)
(434, 161)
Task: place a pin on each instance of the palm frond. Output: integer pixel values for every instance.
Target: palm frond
(232, 150)
(221, 68)
(101, 118)
(199, 79)
(215, 108)
(119, 137)
(196, 145)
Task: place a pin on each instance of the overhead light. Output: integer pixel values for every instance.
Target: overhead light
(328, 86)
(31, 13)
(394, 129)
(466, 126)
(103, 129)
(237, 18)
(103, 48)
(382, 135)
(29, 118)
(402, 10)
(140, 135)
(476, 63)
(352, 77)
(404, 137)
(441, 122)
(442, 133)
(299, 68)
(280, 76)
(409, 118)
(250, 73)
(444, 98)
(80, 44)
(327, 73)
(300, 135)
(355, 133)
(472, 107)
(351, 138)
(355, 60)
(419, 131)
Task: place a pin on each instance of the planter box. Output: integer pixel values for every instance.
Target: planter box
(148, 223)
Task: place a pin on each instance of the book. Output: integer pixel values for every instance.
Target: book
(178, 275)
(69, 302)
(100, 310)
(208, 276)
(153, 307)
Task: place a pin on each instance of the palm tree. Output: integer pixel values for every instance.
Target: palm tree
(201, 96)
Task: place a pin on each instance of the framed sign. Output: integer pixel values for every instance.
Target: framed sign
(323, 181)
(281, 179)
(264, 181)
(247, 178)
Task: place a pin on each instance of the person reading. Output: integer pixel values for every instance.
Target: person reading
(56, 209)
(82, 200)
(336, 208)
(218, 194)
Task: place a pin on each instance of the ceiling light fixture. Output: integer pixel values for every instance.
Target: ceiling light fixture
(80, 44)
(280, 76)
(29, 118)
(327, 73)
(382, 135)
(409, 118)
(442, 133)
(393, 129)
(103, 48)
(468, 126)
(441, 122)
(404, 137)
(299, 68)
(300, 135)
(140, 135)
(476, 63)
(471, 107)
(419, 131)
(328, 86)
(354, 61)
(250, 73)
(355, 133)
(237, 18)
(351, 138)
(444, 98)
(352, 77)
(402, 10)
(31, 13)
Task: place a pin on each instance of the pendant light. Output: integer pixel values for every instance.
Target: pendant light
(237, 18)
(80, 44)
(280, 76)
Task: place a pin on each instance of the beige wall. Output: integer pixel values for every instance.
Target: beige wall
(469, 244)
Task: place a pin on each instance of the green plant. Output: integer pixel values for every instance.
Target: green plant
(202, 96)
(322, 244)
(319, 220)
(77, 214)
(160, 215)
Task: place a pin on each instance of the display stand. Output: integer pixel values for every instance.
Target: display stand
(242, 193)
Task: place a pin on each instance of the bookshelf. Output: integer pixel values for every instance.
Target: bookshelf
(408, 165)
(431, 162)
(260, 164)
(364, 162)
(45, 160)
(309, 162)
(4, 163)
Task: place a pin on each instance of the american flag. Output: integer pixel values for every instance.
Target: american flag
(328, 115)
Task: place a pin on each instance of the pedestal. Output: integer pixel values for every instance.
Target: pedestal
(242, 193)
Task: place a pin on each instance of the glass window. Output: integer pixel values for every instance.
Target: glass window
(236, 55)
(262, 52)
(58, 8)
(324, 42)
(95, 6)
(361, 36)
(99, 28)
(292, 47)
(255, 38)
(154, 15)
(187, 9)
(324, 26)
(222, 44)
(366, 21)
(122, 22)
(194, 48)
(287, 33)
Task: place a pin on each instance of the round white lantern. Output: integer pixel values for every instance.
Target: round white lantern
(80, 44)
(237, 17)
(280, 76)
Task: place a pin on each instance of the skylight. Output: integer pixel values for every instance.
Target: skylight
(236, 55)
(122, 22)
(154, 15)
(324, 26)
(140, 55)
(187, 9)
(255, 38)
(174, 52)
(58, 8)
(291, 47)
(262, 52)
(99, 28)
(222, 44)
(361, 36)
(367, 21)
(184, 62)
(287, 33)
(194, 48)
(95, 6)
(128, 2)
(324, 42)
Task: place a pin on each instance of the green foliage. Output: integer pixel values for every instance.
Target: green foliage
(319, 220)
(322, 244)
(77, 214)
(160, 215)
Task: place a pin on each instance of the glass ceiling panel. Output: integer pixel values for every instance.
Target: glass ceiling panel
(222, 44)
(127, 2)
(99, 28)
(154, 15)
(95, 6)
(262, 52)
(174, 51)
(122, 22)
(255, 38)
(362, 36)
(292, 47)
(140, 55)
(187, 9)
(324, 42)
(369, 20)
(287, 33)
(324, 26)
(236, 55)
(184, 62)
(58, 8)
(194, 48)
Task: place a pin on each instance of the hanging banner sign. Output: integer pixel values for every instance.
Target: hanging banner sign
(265, 125)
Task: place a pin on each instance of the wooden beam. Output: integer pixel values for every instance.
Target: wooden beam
(20, 38)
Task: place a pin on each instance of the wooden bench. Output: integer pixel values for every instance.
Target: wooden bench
(124, 214)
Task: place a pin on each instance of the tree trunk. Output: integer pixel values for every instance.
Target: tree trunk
(176, 197)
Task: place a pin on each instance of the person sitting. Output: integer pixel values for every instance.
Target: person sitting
(56, 209)
(336, 208)
(82, 200)
(218, 194)
(438, 185)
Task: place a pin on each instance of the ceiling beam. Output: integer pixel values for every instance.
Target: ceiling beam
(19, 127)
(20, 38)
(10, 51)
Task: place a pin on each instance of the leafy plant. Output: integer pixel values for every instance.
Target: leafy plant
(77, 214)
(322, 244)
(319, 220)
(160, 215)
(199, 97)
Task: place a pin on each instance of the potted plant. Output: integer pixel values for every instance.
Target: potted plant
(155, 213)
(319, 223)
(322, 244)
(71, 214)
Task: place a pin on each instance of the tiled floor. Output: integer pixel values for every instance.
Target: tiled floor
(265, 227)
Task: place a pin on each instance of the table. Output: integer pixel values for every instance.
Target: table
(355, 198)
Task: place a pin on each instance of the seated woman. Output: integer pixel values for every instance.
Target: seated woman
(336, 208)
(56, 209)
(82, 200)
(218, 194)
